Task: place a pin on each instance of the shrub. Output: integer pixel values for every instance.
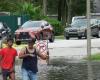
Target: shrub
(58, 29)
(33, 11)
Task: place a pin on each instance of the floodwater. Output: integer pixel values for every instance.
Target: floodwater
(64, 69)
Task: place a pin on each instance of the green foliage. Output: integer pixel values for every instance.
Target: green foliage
(94, 57)
(56, 25)
(18, 7)
(33, 11)
(59, 37)
(79, 9)
(8, 5)
(37, 13)
(52, 6)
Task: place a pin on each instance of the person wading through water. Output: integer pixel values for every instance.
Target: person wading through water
(29, 55)
(7, 60)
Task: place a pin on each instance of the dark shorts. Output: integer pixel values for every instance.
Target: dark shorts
(6, 73)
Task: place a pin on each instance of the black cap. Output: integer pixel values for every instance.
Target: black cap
(10, 39)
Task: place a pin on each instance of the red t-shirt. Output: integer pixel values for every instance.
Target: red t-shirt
(8, 57)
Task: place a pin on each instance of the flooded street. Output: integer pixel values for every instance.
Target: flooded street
(66, 61)
(64, 69)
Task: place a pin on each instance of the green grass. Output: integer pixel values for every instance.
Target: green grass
(59, 37)
(95, 56)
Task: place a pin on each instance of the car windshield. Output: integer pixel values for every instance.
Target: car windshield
(82, 22)
(78, 17)
(32, 24)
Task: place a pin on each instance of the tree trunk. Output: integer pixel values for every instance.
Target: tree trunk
(59, 10)
(40, 2)
(64, 12)
(69, 11)
(44, 7)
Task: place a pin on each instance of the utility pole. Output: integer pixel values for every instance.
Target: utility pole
(44, 7)
(89, 65)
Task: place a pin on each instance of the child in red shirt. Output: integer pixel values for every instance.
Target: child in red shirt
(7, 60)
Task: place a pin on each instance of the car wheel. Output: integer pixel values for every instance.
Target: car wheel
(67, 37)
(52, 38)
(85, 37)
(0, 37)
(18, 42)
(79, 37)
(98, 35)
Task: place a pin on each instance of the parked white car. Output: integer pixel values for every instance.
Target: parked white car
(77, 17)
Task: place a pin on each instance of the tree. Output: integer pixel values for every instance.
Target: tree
(33, 11)
(8, 5)
(66, 11)
(64, 8)
(69, 10)
(44, 7)
(59, 10)
(62, 11)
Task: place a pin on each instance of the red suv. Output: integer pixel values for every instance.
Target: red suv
(40, 30)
